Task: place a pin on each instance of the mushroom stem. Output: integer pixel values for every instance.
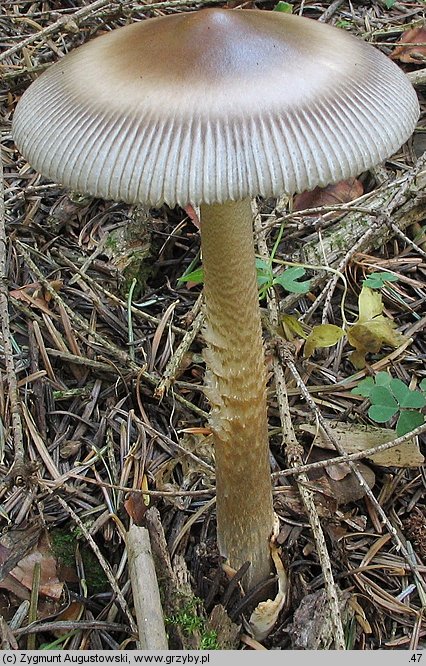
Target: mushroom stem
(236, 387)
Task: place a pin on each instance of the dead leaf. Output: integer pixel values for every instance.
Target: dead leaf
(331, 489)
(321, 336)
(179, 472)
(340, 484)
(360, 615)
(72, 613)
(373, 329)
(15, 587)
(354, 437)
(338, 472)
(35, 295)
(15, 544)
(332, 195)
(21, 550)
(288, 503)
(412, 46)
(136, 507)
(50, 586)
(70, 448)
(193, 215)
(7, 637)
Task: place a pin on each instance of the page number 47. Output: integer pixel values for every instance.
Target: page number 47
(416, 658)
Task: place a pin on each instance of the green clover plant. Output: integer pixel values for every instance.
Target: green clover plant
(389, 397)
(378, 280)
(288, 279)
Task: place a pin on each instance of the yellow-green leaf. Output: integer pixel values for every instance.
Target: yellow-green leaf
(373, 329)
(384, 329)
(357, 359)
(292, 328)
(324, 335)
(363, 338)
(370, 304)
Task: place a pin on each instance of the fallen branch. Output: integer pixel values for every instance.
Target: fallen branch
(294, 453)
(146, 595)
(418, 78)
(401, 200)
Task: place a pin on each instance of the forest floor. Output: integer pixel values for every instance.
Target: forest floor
(103, 420)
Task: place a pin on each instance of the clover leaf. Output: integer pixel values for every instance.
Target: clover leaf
(378, 280)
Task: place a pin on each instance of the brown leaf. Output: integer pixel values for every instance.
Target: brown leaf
(38, 303)
(192, 214)
(289, 503)
(339, 484)
(35, 295)
(50, 586)
(136, 507)
(15, 587)
(72, 613)
(8, 640)
(331, 488)
(332, 195)
(70, 448)
(412, 46)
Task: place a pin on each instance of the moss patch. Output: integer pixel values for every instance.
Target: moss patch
(64, 544)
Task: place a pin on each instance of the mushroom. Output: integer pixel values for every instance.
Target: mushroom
(212, 108)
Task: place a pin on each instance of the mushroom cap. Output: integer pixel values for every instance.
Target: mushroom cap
(214, 105)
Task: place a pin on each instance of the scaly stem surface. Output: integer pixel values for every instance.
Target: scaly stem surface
(236, 387)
